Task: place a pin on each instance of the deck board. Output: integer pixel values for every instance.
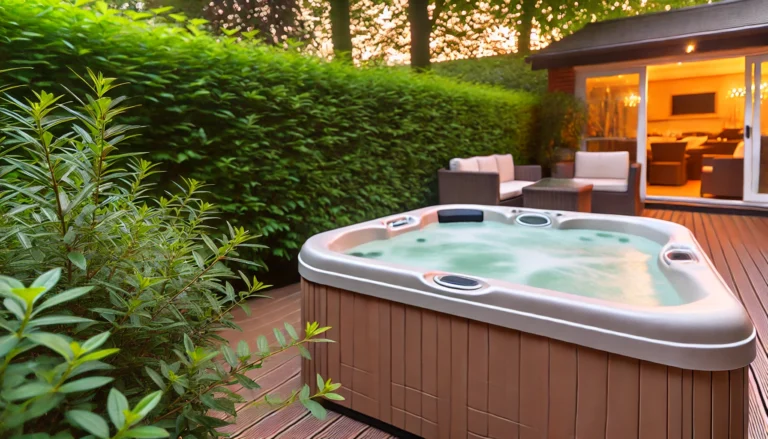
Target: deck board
(737, 245)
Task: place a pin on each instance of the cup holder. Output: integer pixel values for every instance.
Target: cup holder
(457, 282)
(678, 255)
(533, 220)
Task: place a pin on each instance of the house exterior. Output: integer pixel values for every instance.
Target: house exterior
(695, 75)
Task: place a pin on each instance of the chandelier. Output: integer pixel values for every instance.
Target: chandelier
(632, 100)
(740, 92)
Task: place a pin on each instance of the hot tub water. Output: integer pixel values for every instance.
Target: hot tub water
(606, 265)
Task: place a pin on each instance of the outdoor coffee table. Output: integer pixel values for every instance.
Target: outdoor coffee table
(558, 194)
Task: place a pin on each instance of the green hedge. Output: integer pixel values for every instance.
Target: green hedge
(290, 145)
(507, 71)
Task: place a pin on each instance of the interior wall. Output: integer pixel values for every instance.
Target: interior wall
(729, 111)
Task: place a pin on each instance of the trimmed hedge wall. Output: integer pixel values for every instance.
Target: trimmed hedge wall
(507, 71)
(291, 145)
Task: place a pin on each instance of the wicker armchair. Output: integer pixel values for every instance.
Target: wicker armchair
(722, 176)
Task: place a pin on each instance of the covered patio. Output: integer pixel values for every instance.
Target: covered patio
(737, 244)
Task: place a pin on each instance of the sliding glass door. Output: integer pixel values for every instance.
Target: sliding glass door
(756, 130)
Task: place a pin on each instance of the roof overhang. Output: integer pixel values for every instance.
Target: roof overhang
(741, 38)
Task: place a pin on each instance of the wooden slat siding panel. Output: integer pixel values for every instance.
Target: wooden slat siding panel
(321, 366)
(385, 361)
(334, 321)
(504, 379)
(623, 398)
(346, 345)
(429, 367)
(653, 401)
(458, 386)
(758, 419)
(444, 371)
(674, 403)
(365, 374)
(720, 404)
(304, 320)
(591, 393)
(534, 382)
(398, 364)
(562, 390)
(687, 408)
(738, 403)
(413, 370)
(477, 396)
(702, 404)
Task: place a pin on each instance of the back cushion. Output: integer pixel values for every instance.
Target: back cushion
(695, 142)
(506, 165)
(487, 164)
(602, 164)
(465, 165)
(738, 153)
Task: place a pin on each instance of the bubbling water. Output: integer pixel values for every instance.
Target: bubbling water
(606, 265)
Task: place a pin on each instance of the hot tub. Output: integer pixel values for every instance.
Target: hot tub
(479, 321)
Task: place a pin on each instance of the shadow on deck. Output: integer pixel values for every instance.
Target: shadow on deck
(738, 246)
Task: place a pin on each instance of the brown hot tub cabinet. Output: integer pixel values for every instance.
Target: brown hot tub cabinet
(438, 364)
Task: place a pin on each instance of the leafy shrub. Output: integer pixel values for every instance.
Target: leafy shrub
(561, 121)
(507, 71)
(150, 284)
(294, 145)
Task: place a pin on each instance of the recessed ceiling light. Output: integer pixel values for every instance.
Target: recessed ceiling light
(690, 48)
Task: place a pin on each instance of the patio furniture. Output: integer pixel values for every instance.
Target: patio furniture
(668, 164)
(559, 194)
(489, 180)
(616, 181)
(723, 175)
(607, 145)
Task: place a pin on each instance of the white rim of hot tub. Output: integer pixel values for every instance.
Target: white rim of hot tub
(711, 332)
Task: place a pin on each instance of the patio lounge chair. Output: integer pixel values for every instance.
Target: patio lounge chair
(616, 181)
(723, 175)
(489, 180)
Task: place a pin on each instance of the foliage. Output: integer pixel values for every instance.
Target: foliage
(511, 72)
(133, 336)
(293, 144)
(562, 118)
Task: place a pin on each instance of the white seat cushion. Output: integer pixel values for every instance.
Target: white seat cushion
(605, 184)
(695, 142)
(464, 165)
(738, 153)
(706, 169)
(608, 165)
(487, 164)
(506, 166)
(514, 188)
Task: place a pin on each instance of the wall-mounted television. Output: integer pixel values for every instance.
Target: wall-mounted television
(698, 103)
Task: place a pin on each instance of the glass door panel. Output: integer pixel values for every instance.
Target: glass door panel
(613, 103)
(756, 131)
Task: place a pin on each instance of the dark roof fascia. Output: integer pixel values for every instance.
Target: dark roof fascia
(754, 36)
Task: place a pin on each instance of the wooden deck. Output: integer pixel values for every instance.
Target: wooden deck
(738, 246)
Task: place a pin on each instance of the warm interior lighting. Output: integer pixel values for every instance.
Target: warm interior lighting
(690, 48)
(632, 100)
(740, 92)
(679, 63)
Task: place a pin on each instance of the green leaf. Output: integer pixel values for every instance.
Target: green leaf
(279, 337)
(229, 356)
(320, 383)
(95, 341)
(54, 342)
(77, 259)
(315, 409)
(47, 280)
(84, 384)
(243, 350)
(60, 298)
(98, 355)
(304, 352)
(146, 431)
(147, 404)
(291, 331)
(188, 345)
(90, 422)
(154, 376)
(14, 307)
(7, 342)
(116, 403)
(56, 320)
(334, 396)
(246, 382)
(27, 391)
(262, 344)
(304, 393)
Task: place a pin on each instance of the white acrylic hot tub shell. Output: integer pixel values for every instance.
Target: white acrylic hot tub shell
(710, 332)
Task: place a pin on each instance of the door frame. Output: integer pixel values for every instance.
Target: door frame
(752, 114)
